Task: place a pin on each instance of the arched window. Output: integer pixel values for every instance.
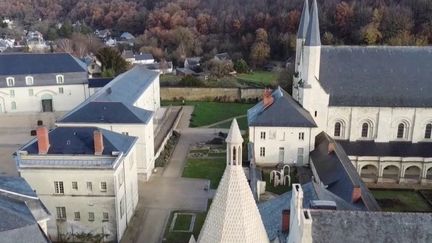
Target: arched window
(365, 130)
(338, 129)
(428, 131)
(401, 130)
(234, 158)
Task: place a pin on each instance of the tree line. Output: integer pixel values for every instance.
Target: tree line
(255, 30)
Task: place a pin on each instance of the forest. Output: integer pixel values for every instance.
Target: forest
(255, 30)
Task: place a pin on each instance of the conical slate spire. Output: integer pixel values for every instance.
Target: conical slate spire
(313, 32)
(304, 21)
(234, 134)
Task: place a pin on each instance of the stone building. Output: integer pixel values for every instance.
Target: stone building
(92, 185)
(36, 83)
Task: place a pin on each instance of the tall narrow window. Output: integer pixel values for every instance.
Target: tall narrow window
(61, 90)
(103, 186)
(428, 131)
(105, 216)
(234, 156)
(89, 186)
(74, 185)
(365, 130)
(29, 80)
(77, 216)
(91, 216)
(301, 135)
(263, 135)
(262, 151)
(58, 187)
(401, 130)
(30, 92)
(10, 81)
(337, 129)
(60, 79)
(12, 93)
(61, 212)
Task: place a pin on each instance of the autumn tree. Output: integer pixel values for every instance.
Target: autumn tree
(260, 50)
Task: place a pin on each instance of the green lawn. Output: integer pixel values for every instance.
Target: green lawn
(206, 113)
(211, 169)
(260, 77)
(183, 222)
(279, 189)
(183, 237)
(401, 201)
(242, 122)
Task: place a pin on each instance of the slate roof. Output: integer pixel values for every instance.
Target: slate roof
(109, 112)
(313, 37)
(304, 21)
(336, 171)
(143, 56)
(377, 76)
(284, 112)
(20, 211)
(98, 82)
(393, 149)
(125, 88)
(360, 227)
(79, 141)
(35, 63)
(271, 211)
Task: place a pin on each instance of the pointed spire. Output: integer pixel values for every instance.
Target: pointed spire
(304, 21)
(234, 134)
(313, 32)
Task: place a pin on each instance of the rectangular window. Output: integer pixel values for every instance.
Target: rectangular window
(301, 135)
(60, 79)
(263, 135)
(12, 93)
(58, 187)
(61, 90)
(103, 186)
(77, 216)
(262, 152)
(30, 92)
(121, 207)
(74, 185)
(91, 216)
(29, 80)
(61, 212)
(10, 82)
(105, 216)
(89, 186)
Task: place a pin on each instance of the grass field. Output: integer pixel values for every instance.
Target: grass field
(183, 237)
(206, 113)
(211, 169)
(242, 122)
(183, 222)
(401, 201)
(261, 77)
(279, 189)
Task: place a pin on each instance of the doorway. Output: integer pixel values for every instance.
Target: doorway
(282, 154)
(47, 104)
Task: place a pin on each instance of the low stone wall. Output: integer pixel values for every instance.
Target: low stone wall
(227, 94)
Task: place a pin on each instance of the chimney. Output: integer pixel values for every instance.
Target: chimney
(98, 142)
(331, 147)
(43, 140)
(356, 194)
(267, 98)
(285, 220)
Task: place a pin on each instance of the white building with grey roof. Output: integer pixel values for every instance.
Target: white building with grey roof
(34, 83)
(376, 100)
(87, 178)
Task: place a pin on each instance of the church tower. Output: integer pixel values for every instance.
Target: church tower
(301, 35)
(233, 216)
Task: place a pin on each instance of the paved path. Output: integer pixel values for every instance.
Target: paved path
(167, 191)
(223, 121)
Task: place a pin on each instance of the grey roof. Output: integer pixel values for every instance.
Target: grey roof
(32, 63)
(393, 149)
(79, 141)
(108, 112)
(361, 227)
(284, 112)
(16, 184)
(271, 211)
(125, 88)
(304, 21)
(313, 37)
(377, 76)
(336, 171)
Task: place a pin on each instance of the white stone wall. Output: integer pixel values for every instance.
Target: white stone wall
(281, 137)
(383, 122)
(150, 98)
(84, 200)
(72, 96)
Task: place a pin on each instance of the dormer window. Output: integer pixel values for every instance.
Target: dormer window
(60, 79)
(10, 81)
(29, 80)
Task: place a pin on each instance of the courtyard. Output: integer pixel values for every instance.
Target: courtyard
(403, 200)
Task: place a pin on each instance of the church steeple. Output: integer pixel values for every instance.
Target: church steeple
(313, 37)
(304, 21)
(233, 214)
